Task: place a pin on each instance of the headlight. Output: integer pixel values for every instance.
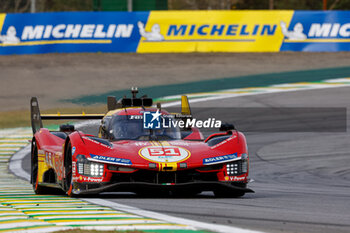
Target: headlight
(238, 167)
(96, 169)
(87, 168)
(232, 169)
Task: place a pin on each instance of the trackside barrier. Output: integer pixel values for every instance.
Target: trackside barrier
(175, 31)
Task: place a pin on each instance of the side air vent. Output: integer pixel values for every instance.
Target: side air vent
(216, 140)
(103, 141)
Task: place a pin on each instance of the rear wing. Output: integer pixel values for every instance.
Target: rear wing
(36, 117)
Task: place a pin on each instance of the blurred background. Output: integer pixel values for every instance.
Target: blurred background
(18, 6)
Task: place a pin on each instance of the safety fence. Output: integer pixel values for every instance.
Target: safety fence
(175, 31)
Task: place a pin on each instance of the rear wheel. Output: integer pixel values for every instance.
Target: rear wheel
(68, 185)
(38, 189)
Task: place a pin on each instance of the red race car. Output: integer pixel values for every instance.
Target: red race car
(139, 148)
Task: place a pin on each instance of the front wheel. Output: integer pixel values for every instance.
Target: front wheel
(68, 185)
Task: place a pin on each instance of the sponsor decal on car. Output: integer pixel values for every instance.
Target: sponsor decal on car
(73, 150)
(106, 159)
(234, 178)
(164, 154)
(74, 170)
(48, 157)
(220, 159)
(92, 179)
(87, 179)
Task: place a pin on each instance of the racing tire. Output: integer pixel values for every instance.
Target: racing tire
(38, 189)
(68, 184)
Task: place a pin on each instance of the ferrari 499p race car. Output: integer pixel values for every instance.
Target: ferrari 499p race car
(129, 155)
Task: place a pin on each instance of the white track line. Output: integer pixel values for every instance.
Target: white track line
(15, 164)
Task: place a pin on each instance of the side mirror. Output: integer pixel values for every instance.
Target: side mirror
(227, 127)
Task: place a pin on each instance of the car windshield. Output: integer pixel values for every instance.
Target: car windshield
(130, 127)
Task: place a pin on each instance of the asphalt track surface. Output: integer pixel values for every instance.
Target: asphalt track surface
(301, 179)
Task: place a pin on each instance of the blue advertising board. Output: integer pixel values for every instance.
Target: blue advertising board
(70, 32)
(318, 31)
